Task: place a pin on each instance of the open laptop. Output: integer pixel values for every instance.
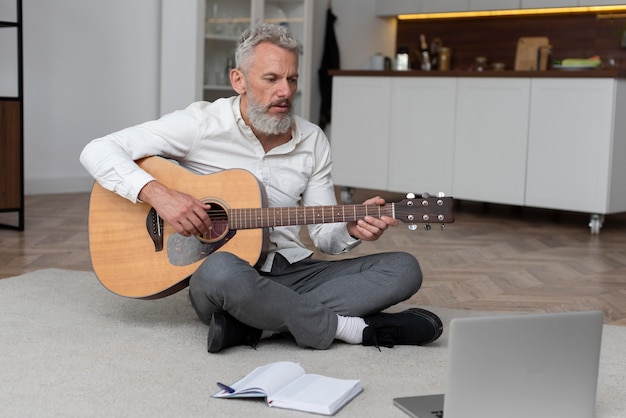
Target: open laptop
(521, 366)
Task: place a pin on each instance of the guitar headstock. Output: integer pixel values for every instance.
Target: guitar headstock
(424, 210)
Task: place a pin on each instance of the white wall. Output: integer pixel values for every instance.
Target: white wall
(93, 67)
(361, 34)
(181, 53)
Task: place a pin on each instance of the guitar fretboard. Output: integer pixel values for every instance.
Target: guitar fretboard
(268, 217)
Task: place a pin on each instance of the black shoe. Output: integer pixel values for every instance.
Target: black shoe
(225, 331)
(412, 327)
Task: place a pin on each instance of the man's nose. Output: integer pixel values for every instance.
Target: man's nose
(284, 88)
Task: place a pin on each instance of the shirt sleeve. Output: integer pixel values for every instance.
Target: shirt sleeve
(331, 238)
(111, 159)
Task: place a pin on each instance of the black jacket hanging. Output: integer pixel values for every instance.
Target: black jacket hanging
(330, 60)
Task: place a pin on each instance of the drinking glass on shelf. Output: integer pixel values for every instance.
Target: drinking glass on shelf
(214, 21)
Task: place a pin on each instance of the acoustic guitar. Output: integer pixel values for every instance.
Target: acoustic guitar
(136, 254)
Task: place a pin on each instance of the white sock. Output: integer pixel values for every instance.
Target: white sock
(350, 329)
(266, 334)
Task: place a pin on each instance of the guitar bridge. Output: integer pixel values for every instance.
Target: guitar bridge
(154, 225)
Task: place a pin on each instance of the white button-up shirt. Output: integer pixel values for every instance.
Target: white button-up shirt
(210, 137)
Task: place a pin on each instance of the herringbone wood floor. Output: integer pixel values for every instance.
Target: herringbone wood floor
(492, 258)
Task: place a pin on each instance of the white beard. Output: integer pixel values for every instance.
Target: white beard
(266, 123)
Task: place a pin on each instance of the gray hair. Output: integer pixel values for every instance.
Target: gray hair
(278, 35)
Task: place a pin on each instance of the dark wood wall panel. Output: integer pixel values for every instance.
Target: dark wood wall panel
(572, 36)
(10, 155)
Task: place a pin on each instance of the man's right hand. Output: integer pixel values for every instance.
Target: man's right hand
(187, 215)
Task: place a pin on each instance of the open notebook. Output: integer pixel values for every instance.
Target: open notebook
(285, 384)
(519, 366)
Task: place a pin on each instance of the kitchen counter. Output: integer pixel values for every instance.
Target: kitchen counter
(523, 138)
(617, 73)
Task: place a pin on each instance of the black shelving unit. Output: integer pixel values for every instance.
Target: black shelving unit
(12, 135)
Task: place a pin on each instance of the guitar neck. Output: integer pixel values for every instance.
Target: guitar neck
(268, 217)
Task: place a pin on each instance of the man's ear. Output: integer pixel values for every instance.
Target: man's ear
(238, 81)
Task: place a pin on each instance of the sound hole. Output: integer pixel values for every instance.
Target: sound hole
(219, 219)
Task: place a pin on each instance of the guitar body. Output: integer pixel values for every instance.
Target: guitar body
(123, 254)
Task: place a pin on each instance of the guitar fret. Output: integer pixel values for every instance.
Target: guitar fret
(250, 218)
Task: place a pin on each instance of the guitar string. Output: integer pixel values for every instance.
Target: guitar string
(259, 217)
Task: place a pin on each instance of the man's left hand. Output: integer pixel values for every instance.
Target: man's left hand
(371, 228)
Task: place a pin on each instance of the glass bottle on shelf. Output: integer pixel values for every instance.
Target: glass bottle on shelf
(425, 53)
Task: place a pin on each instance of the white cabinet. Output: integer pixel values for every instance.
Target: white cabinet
(556, 143)
(571, 144)
(396, 7)
(601, 2)
(491, 137)
(421, 136)
(537, 4)
(493, 4)
(227, 19)
(360, 131)
(401, 145)
(435, 6)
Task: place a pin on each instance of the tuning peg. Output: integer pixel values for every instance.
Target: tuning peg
(410, 195)
(427, 227)
(412, 227)
(425, 195)
(441, 194)
(443, 227)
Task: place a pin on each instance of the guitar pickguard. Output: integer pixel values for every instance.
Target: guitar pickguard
(182, 251)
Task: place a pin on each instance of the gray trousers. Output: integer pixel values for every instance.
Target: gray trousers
(303, 298)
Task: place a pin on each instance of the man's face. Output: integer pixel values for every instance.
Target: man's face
(271, 83)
